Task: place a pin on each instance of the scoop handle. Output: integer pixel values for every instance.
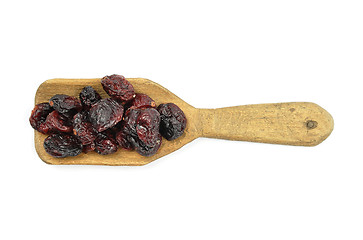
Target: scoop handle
(295, 123)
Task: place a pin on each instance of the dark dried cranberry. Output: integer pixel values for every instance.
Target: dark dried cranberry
(105, 143)
(39, 115)
(62, 145)
(173, 121)
(131, 116)
(122, 140)
(56, 122)
(65, 104)
(100, 127)
(149, 150)
(83, 129)
(105, 114)
(118, 87)
(88, 97)
(140, 130)
(142, 101)
(89, 148)
(115, 129)
(147, 126)
(125, 137)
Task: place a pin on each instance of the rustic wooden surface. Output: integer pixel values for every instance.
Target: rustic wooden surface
(301, 123)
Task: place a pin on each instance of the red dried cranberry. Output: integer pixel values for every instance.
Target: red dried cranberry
(128, 133)
(122, 140)
(147, 126)
(105, 143)
(39, 115)
(89, 148)
(140, 130)
(142, 101)
(100, 127)
(105, 114)
(149, 150)
(56, 122)
(118, 87)
(83, 129)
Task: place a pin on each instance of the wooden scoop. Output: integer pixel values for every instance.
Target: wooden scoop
(295, 123)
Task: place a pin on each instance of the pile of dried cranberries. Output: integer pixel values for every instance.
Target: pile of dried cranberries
(127, 119)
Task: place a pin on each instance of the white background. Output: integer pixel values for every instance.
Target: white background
(211, 54)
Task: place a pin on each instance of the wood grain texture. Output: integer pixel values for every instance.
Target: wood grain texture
(301, 124)
(304, 124)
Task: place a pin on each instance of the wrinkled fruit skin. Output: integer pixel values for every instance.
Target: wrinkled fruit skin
(62, 145)
(149, 150)
(173, 121)
(84, 130)
(56, 122)
(147, 125)
(89, 148)
(127, 134)
(147, 129)
(39, 115)
(91, 123)
(122, 140)
(142, 101)
(140, 131)
(118, 87)
(105, 114)
(105, 143)
(125, 137)
(65, 104)
(89, 96)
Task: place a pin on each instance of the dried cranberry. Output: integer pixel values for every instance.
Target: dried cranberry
(105, 143)
(65, 104)
(56, 122)
(122, 140)
(147, 126)
(118, 87)
(97, 123)
(142, 101)
(83, 129)
(89, 148)
(125, 137)
(39, 115)
(149, 150)
(88, 97)
(173, 121)
(105, 114)
(140, 130)
(113, 130)
(62, 145)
